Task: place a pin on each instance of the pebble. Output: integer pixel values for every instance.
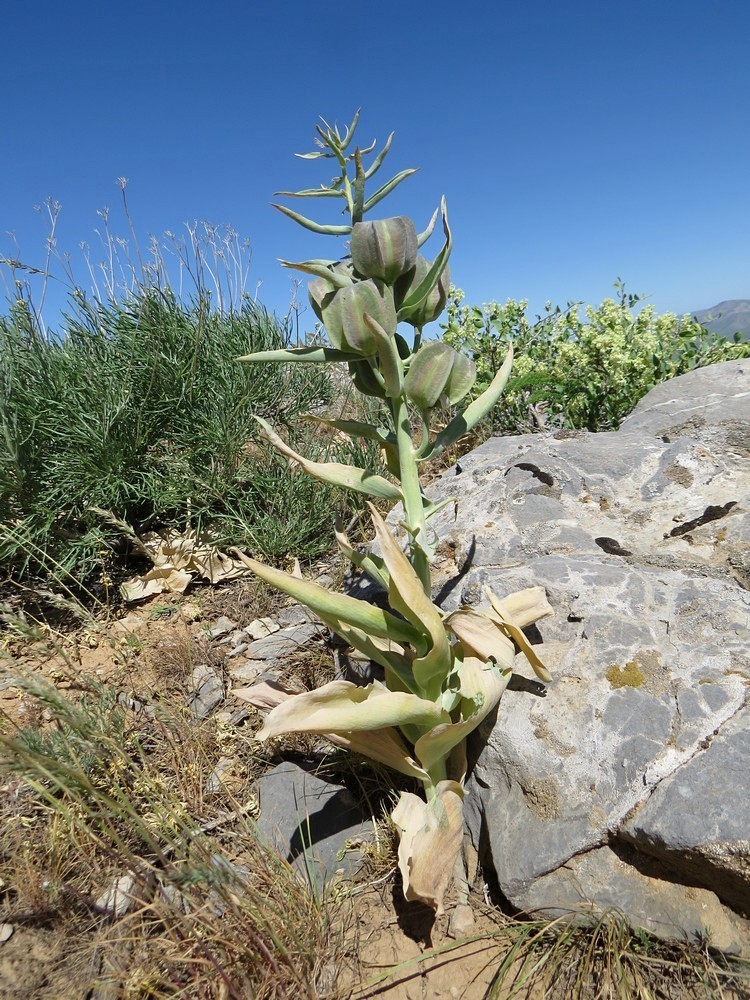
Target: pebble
(191, 612)
(247, 671)
(117, 899)
(207, 690)
(295, 614)
(259, 628)
(221, 626)
(174, 898)
(221, 776)
(284, 642)
(461, 923)
(238, 649)
(6, 932)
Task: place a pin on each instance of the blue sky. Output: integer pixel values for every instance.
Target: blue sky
(575, 142)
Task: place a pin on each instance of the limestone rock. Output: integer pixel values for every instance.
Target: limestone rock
(693, 820)
(602, 880)
(643, 545)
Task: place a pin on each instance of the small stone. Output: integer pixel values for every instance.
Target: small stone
(234, 718)
(461, 923)
(174, 898)
(295, 614)
(191, 613)
(118, 898)
(221, 626)
(222, 777)
(234, 638)
(259, 628)
(238, 650)
(247, 671)
(207, 690)
(324, 580)
(6, 932)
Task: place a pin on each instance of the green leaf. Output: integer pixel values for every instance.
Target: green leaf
(347, 476)
(370, 563)
(390, 659)
(328, 604)
(318, 268)
(378, 161)
(432, 277)
(314, 227)
(349, 134)
(482, 686)
(406, 595)
(355, 428)
(427, 233)
(321, 192)
(387, 188)
(390, 363)
(345, 707)
(311, 355)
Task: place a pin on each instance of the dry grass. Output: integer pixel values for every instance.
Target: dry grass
(95, 789)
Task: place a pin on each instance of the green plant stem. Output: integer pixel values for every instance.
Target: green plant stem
(438, 772)
(413, 505)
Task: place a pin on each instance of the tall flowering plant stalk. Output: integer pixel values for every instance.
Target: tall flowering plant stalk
(444, 673)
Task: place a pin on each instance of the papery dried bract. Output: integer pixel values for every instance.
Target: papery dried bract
(430, 837)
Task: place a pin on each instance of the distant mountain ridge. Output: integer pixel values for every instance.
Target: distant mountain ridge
(727, 318)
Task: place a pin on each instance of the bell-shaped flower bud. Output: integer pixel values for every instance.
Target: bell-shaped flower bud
(433, 303)
(364, 379)
(343, 316)
(384, 249)
(321, 290)
(438, 375)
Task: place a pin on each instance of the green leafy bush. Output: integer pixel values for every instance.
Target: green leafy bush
(585, 372)
(140, 408)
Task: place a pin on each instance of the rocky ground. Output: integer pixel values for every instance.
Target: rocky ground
(625, 787)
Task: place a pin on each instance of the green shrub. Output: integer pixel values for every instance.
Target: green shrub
(141, 408)
(580, 372)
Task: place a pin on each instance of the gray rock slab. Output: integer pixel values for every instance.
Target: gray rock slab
(284, 642)
(642, 543)
(697, 820)
(602, 881)
(702, 398)
(311, 823)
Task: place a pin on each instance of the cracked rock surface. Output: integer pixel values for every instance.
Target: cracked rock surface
(627, 785)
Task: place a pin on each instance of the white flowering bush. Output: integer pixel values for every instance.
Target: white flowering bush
(583, 370)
